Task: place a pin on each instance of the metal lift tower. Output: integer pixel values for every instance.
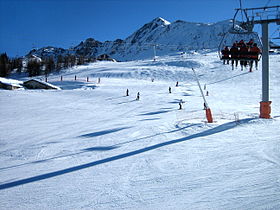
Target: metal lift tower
(264, 16)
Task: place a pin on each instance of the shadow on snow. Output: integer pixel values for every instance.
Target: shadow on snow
(218, 129)
(89, 135)
(153, 113)
(100, 148)
(228, 78)
(149, 119)
(104, 132)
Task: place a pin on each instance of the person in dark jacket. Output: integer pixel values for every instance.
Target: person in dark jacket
(240, 43)
(243, 55)
(234, 55)
(138, 96)
(255, 51)
(250, 43)
(225, 55)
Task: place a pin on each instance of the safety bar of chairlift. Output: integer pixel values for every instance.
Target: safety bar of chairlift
(242, 59)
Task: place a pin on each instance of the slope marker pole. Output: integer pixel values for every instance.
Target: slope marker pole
(207, 108)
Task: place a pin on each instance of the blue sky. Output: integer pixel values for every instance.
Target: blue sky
(63, 23)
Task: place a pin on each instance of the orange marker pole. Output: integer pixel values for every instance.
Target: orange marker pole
(209, 115)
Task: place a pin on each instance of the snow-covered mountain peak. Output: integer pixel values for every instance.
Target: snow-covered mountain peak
(161, 21)
(168, 37)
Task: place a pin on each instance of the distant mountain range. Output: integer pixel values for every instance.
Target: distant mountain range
(158, 36)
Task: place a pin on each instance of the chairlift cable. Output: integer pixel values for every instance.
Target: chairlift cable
(240, 3)
(267, 3)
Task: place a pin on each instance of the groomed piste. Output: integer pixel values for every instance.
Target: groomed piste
(91, 146)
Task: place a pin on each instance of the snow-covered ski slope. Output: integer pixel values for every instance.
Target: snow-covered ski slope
(89, 146)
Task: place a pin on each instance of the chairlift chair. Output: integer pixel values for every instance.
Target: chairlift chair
(240, 31)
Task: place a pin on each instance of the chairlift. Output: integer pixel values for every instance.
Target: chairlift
(240, 31)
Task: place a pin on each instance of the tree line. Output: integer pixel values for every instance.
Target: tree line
(35, 66)
(7, 65)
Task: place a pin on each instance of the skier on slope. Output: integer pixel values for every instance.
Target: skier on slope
(138, 96)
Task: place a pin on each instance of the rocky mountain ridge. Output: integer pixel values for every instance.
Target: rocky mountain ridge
(158, 36)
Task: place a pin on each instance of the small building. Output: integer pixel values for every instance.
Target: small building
(9, 86)
(37, 84)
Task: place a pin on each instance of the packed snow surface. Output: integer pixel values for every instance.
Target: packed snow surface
(89, 146)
